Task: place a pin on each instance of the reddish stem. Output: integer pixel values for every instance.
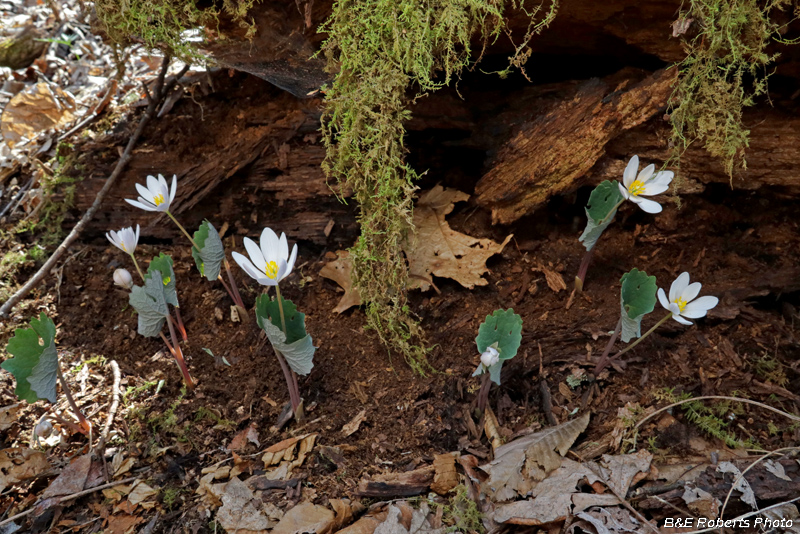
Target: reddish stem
(181, 328)
(291, 381)
(604, 359)
(483, 394)
(237, 298)
(582, 270)
(187, 379)
(85, 425)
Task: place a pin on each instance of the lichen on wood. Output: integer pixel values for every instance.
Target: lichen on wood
(384, 52)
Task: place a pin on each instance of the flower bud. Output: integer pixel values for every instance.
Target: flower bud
(123, 278)
(43, 429)
(490, 357)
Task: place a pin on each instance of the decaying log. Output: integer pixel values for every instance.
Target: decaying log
(766, 486)
(547, 153)
(22, 49)
(394, 485)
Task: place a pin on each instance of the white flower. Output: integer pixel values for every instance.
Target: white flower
(157, 196)
(123, 278)
(271, 263)
(125, 240)
(683, 302)
(490, 357)
(646, 183)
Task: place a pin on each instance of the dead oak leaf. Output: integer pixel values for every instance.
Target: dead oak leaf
(340, 271)
(354, 424)
(17, 464)
(436, 249)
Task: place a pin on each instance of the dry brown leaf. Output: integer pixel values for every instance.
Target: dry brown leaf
(305, 518)
(121, 465)
(340, 271)
(367, 524)
(554, 280)
(551, 499)
(445, 478)
(351, 427)
(8, 416)
(436, 249)
(33, 110)
(17, 464)
(344, 513)
(140, 493)
(122, 524)
(397, 522)
(519, 465)
(241, 439)
(240, 511)
(620, 471)
(72, 479)
(492, 428)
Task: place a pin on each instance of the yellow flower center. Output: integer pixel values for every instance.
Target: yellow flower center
(681, 304)
(158, 200)
(271, 270)
(124, 249)
(636, 188)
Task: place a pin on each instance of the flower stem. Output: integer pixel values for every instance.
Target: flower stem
(237, 298)
(138, 269)
(291, 376)
(86, 426)
(483, 394)
(611, 212)
(604, 359)
(587, 259)
(189, 237)
(187, 379)
(629, 347)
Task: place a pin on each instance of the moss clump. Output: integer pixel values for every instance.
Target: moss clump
(724, 72)
(380, 51)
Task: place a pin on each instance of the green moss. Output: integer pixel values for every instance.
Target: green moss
(383, 53)
(725, 70)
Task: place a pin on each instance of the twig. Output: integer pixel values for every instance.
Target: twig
(15, 201)
(161, 89)
(112, 411)
(70, 497)
(97, 110)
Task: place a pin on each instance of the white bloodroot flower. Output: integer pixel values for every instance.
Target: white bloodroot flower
(683, 301)
(647, 183)
(269, 264)
(125, 240)
(490, 357)
(122, 277)
(157, 196)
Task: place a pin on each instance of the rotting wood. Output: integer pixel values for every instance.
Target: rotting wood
(394, 485)
(556, 147)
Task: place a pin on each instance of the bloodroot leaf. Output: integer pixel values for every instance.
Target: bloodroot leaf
(637, 299)
(162, 265)
(503, 327)
(600, 211)
(34, 364)
(212, 252)
(296, 344)
(150, 303)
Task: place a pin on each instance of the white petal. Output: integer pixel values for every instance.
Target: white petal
(282, 272)
(650, 206)
(678, 286)
(681, 320)
(137, 234)
(270, 245)
(691, 291)
(698, 308)
(646, 173)
(623, 191)
(255, 254)
(283, 247)
(112, 236)
(651, 189)
(629, 176)
(245, 264)
(140, 205)
(152, 185)
(636, 200)
(290, 263)
(663, 177)
(144, 192)
(662, 299)
(174, 187)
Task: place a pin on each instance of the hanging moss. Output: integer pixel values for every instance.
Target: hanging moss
(383, 53)
(725, 70)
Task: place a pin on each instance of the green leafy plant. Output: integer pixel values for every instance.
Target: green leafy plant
(637, 299)
(36, 369)
(499, 338)
(208, 252)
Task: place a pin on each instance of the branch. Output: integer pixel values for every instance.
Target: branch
(161, 90)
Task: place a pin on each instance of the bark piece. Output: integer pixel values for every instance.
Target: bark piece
(552, 150)
(397, 484)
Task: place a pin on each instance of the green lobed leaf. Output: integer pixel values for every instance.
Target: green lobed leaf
(209, 258)
(151, 304)
(160, 265)
(600, 212)
(34, 364)
(298, 348)
(637, 299)
(503, 327)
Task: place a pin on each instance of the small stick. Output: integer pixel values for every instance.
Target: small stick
(161, 89)
(112, 411)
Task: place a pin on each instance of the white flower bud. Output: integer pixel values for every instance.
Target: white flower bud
(123, 278)
(43, 429)
(490, 357)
